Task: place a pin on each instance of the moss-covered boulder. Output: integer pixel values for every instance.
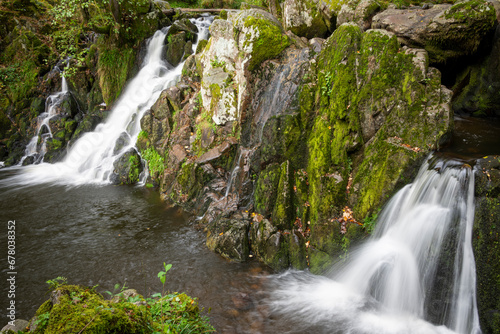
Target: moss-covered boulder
(127, 168)
(446, 31)
(370, 112)
(237, 46)
(73, 309)
(359, 12)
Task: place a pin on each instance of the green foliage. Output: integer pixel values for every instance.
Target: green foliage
(156, 163)
(370, 222)
(217, 62)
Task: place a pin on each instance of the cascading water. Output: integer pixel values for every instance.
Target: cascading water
(415, 275)
(91, 158)
(36, 148)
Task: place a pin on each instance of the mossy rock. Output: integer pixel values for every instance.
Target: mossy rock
(78, 308)
(486, 242)
(127, 168)
(304, 19)
(258, 29)
(266, 190)
(114, 66)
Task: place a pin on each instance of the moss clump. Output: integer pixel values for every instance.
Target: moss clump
(261, 33)
(74, 309)
(156, 163)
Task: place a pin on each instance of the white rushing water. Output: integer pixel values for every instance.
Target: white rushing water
(38, 149)
(415, 275)
(90, 159)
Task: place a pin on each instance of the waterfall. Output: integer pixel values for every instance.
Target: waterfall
(90, 159)
(36, 148)
(415, 275)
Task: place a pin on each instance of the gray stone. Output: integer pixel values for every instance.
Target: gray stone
(18, 325)
(445, 31)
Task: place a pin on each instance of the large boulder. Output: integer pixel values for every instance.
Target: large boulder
(305, 19)
(359, 12)
(372, 110)
(445, 31)
(237, 46)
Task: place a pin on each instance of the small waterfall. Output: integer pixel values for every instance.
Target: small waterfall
(415, 275)
(36, 148)
(91, 157)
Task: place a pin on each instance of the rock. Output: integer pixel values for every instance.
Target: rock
(229, 238)
(237, 46)
(186, 26)
(446, 31)
(269, 244)
(162, 109)
(359, 12)
(304, 18)
(127, 168)
(477, 85)
(219, 156)
(121, 142)
(158, 131)
(486, 240)
(266, 190)
(175, 48)
(17, 326)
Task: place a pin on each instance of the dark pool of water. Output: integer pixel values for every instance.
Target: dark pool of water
(474, 138)
(118, 234)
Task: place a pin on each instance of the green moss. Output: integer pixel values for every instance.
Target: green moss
(282, 216)
(135, 165)
(268, 34)
(81, 309)
(114, 65)
(265, 190)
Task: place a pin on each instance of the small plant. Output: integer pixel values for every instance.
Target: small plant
(117, 290)
(370, 222)
(217, 63)
(42, 320)
(162, 275)
(56, 282)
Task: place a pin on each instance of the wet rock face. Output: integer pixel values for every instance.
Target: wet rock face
(445, 31)
(486, 241)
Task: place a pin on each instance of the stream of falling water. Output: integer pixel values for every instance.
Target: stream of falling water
(415, 275)
(36, 148)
